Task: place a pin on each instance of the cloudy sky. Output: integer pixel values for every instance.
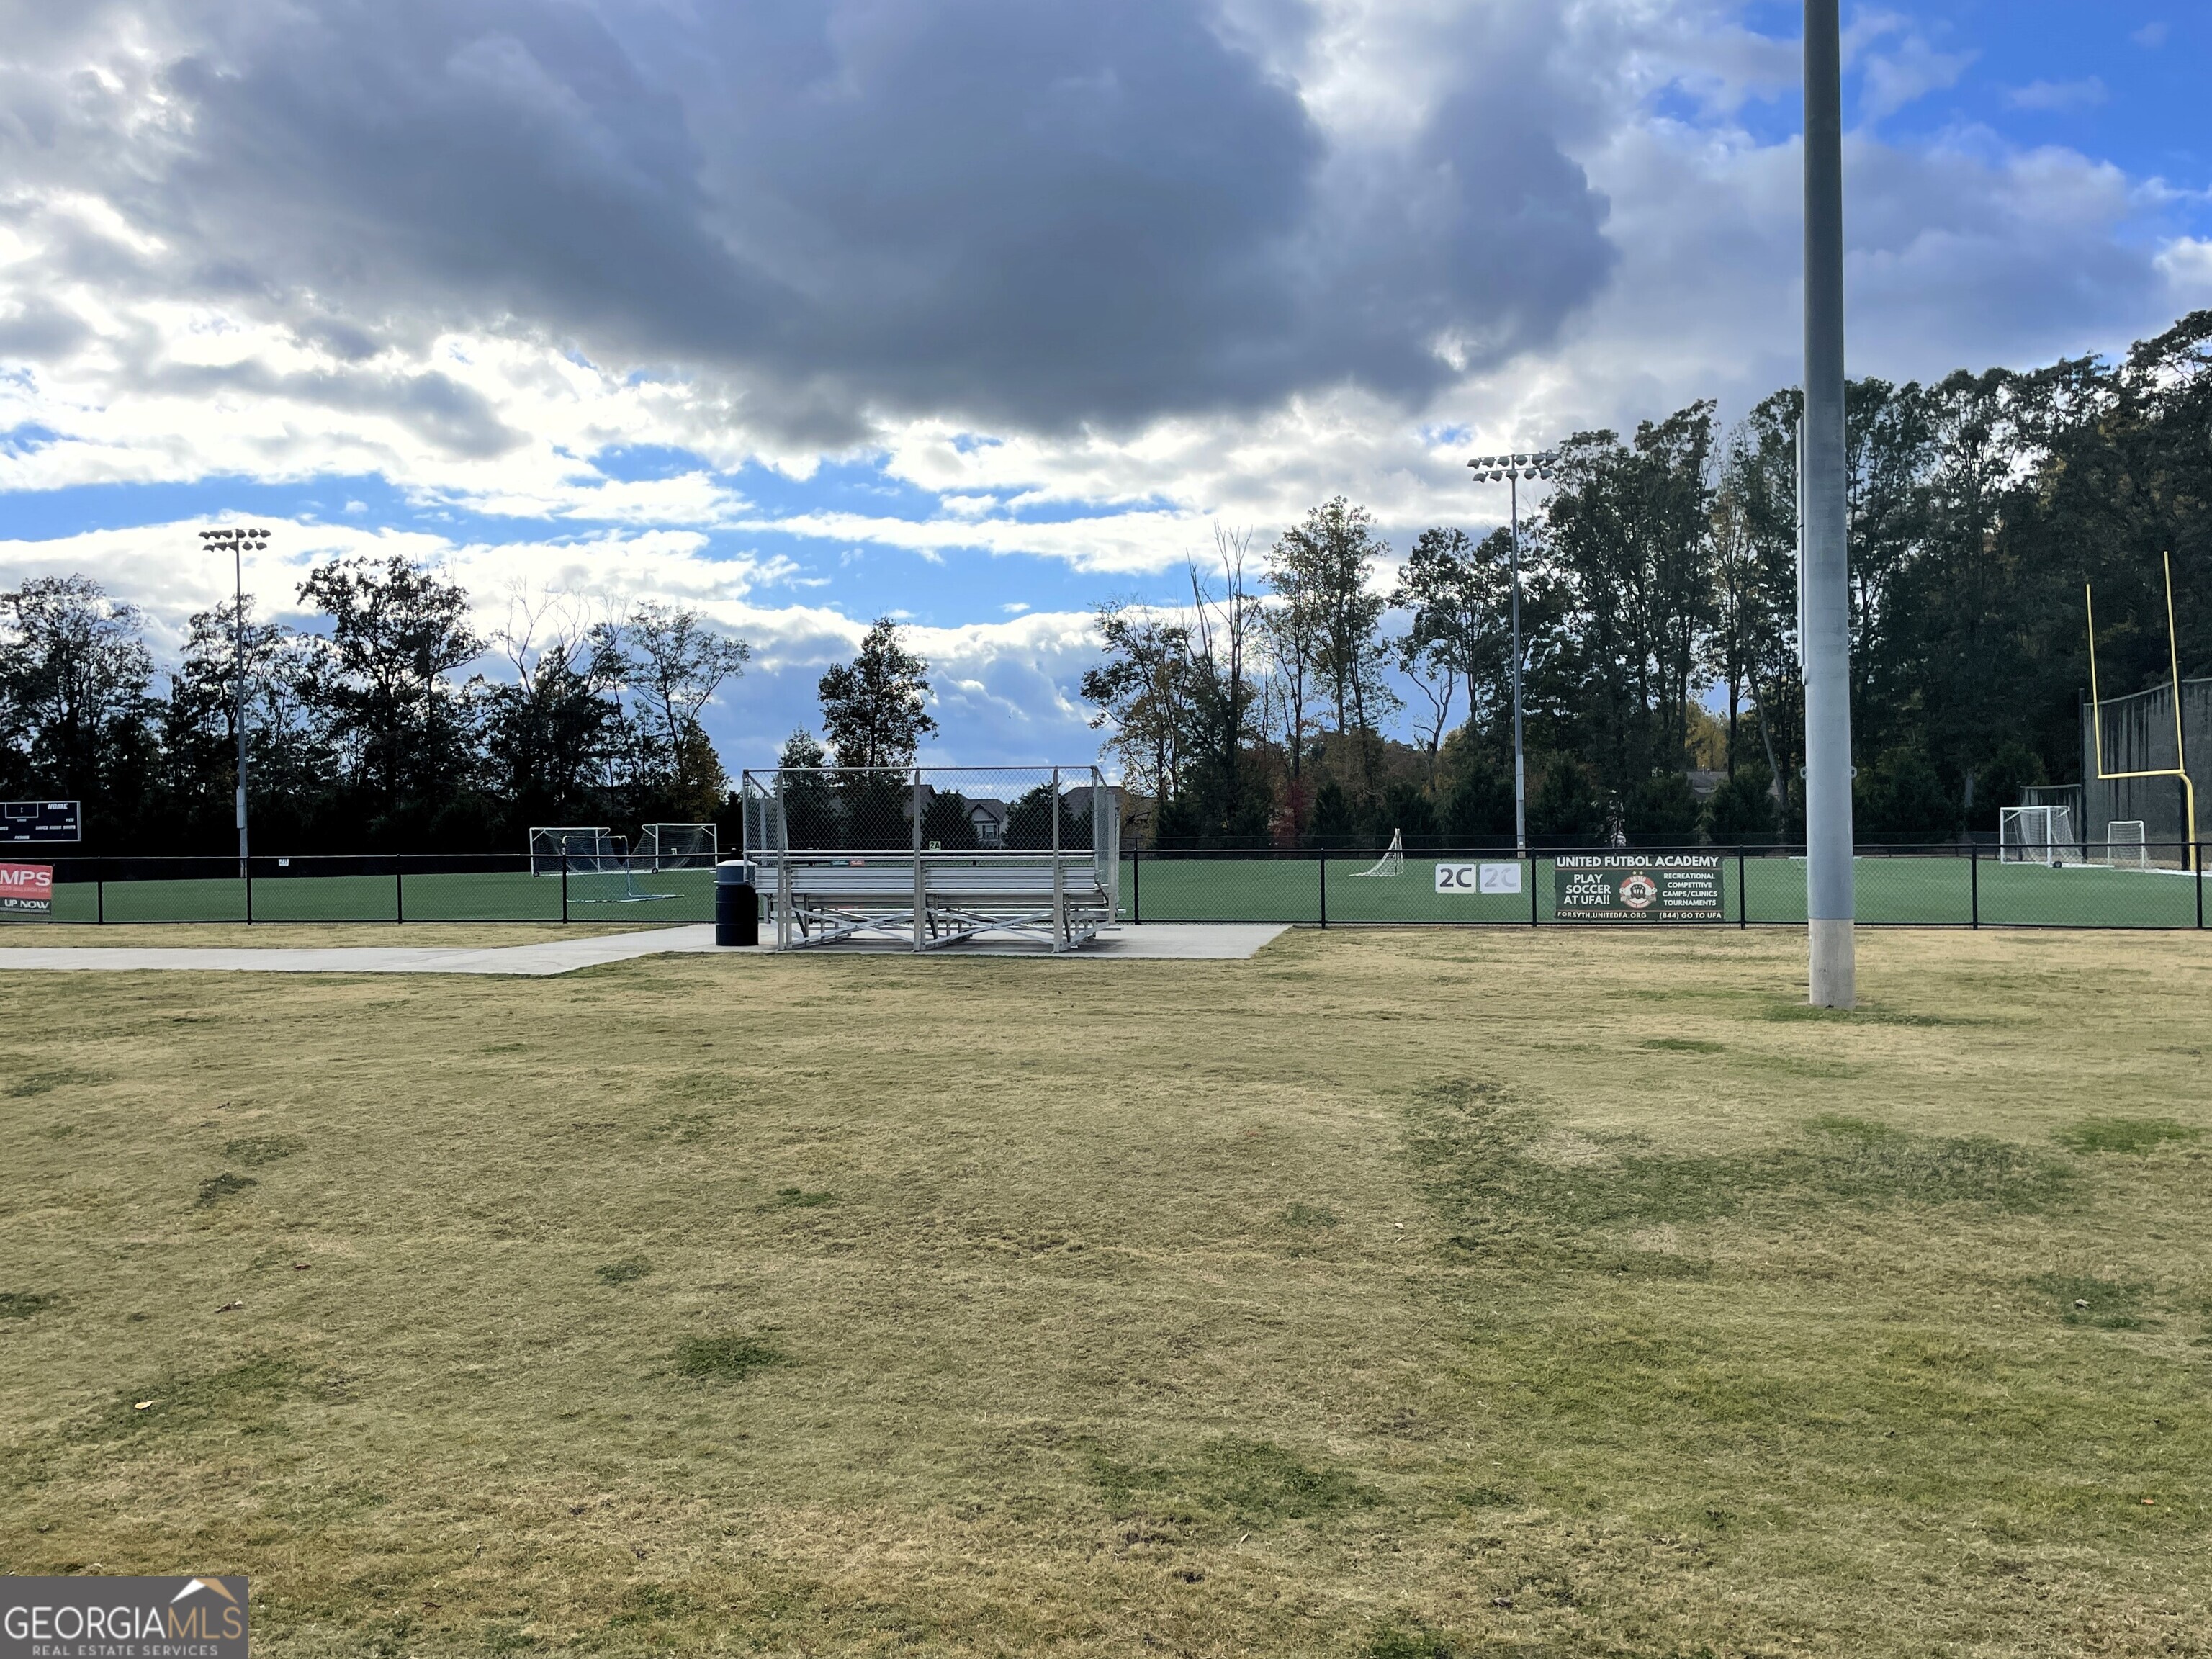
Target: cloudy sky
(981, 311)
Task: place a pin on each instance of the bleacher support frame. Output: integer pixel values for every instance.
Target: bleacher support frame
(831, 870)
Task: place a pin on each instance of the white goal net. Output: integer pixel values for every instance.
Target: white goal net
(1393, 862)
(2036, 835)
(2123, 844)
(676, 846)
(556, 847)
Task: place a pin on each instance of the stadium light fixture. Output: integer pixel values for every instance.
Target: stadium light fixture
(1830, 903)
(1512, 469)
(237, 539)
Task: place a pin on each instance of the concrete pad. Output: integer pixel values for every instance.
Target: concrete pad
(1153, 941)
(554, 957)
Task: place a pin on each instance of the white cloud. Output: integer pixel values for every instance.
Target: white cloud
(1006, 689)
(1896, 75)
(2058, 95)
(165, 569)
(122, 361)
(2186, 265)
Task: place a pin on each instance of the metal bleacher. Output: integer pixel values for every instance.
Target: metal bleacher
(852, 854)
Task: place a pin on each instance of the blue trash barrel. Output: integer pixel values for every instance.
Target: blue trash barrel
(736, 903)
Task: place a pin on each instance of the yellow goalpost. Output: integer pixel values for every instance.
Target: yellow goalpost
(2180, 768)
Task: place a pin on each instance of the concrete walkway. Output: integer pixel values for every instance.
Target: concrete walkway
(1155, 941)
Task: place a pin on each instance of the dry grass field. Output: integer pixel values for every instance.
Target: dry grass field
(1387, 1295)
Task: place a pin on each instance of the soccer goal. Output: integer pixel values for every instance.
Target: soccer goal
(676, 846)
(2124, 845)
(557, 848)
(2036, 835)
(1393, 861)
(604, 872)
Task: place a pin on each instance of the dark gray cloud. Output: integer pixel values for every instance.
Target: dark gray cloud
(1032, 212)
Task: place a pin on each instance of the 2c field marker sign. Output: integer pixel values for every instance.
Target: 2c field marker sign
(1473, 878)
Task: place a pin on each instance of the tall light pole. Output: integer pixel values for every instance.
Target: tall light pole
(1825, 631)
(238, 540)
(1511, 469)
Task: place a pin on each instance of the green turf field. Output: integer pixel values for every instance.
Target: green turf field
(1922, 891)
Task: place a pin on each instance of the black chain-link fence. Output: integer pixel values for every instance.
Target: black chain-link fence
(1945, 886)
(384, 887)
(1948, 885)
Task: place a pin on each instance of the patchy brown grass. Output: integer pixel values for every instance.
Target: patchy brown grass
(1387, 1295)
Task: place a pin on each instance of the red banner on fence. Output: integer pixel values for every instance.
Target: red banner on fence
(27, 890)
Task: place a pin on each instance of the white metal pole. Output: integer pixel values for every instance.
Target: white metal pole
(1829, 900)
(1520, 758)
(1059, 875)
(782, 867)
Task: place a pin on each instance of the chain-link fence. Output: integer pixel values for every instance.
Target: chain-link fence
(383, 887)
(937, 855)
(927, 809)
(1944, 885)
(2123, 884)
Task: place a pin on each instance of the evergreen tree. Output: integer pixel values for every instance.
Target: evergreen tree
(875, 708)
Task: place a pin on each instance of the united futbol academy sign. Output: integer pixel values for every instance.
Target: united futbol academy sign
(1640, 887)
(81, 1617)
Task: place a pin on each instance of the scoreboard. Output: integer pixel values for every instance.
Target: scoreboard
(22, 821)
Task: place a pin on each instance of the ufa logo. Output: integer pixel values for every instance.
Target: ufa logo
(1639, 892)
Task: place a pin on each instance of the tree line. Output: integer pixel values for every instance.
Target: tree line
(1659, 586)
(361, 734)
(366, 733)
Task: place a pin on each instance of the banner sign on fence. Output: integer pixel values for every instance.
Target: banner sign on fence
(1640, 887)
(27, 890)
(1478, 877)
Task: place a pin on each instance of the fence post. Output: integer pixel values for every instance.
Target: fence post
(1137, 885)
(246, 865)
(1742, 909)
(398, 889)
(1532, 888)
(1323, 867)
(99, 895)
(1974, 880)
(2197, 863)
(564, 879)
